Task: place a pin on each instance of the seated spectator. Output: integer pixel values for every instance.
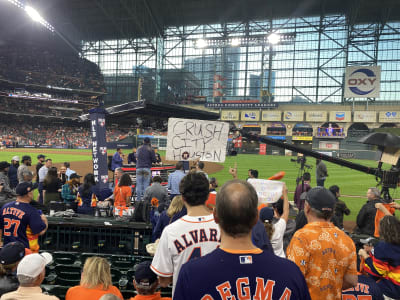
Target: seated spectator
(366, 216)
(383, 263)
(238, 269)
(123, 191)
(10, 256)
(156, 190)
(88, 192)
(51, 187)
(303, 186)
(325, 254)
(340, 208)
(146, 283)
(279, 227)
(31, 272)
(175, 211)
(95, 281)
(70, 190)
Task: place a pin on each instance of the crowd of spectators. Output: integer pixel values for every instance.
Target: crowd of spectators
(40, 66)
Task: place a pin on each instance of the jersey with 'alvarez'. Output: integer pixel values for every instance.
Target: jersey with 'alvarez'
(366, 289)
(241, 274)
(15, 217)
(185, 239)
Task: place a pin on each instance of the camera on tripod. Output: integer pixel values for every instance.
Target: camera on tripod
(302, 161)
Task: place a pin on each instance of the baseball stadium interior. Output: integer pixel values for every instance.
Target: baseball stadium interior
(305, 79)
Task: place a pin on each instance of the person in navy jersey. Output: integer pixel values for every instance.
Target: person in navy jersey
(117, 159)
(238, 269)
(89, 191)
(366, 288)
(16, 216)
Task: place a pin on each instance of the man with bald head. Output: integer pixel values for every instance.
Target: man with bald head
(238, 269)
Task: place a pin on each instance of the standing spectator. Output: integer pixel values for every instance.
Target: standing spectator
(117, 159)
(24, 167)
(146, 283)
(95, 281)
(31, 272)
(156, 190)
(51, 186)
(17, 216)
(383, 262)
(213, 184)
(279, 227)
(62, 175)
(174, 179)
(7, 194)
(325, 254)
(10, 255)
(237, 269)
(69, 171)
(191, 236)
(12, 172)
(200, 168)
(340, 207)
(366, 289)
(41, 175)
(132, 157)
(302, 187)
(70, 190)
(39, 165)
(145, 156)
(123, 191)
(366, 215)
(321, 172)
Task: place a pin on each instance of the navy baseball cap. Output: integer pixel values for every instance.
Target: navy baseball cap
(24, 188)
(146, 140)
(26, 157)
(144, 276)
(4, 165)
(266, 214)
(321, 199)
(41, 156)
(74, 175)
(12, 253)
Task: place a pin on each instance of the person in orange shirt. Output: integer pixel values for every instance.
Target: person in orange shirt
(146, 283)
(123, 191)
(324, 253)
(95, 281)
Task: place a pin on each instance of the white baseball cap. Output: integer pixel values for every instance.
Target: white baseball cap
(33, 264)
(16, 158)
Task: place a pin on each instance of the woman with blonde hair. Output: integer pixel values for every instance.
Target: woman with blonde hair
(95, 281)
(175, 211)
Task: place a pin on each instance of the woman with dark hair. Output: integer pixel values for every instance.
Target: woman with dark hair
(87, 192)
(70, 190)
(123, 192)
(51, 186)
(383, 263)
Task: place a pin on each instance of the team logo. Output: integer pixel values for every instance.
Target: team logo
(102, 122)
(340, 116)
(103, 150)
(251, 115)
(288, 115)
(391, 114)
(185, 155)
(364, 84)
(246, 259)
(104, 178)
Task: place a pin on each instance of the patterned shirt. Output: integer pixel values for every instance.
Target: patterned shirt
(324, 254)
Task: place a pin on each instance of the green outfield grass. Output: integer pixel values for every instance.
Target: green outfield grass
(351, 182)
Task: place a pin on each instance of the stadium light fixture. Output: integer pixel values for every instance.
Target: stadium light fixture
(34, 14)
(274, 38)
(201, 43)
(235, 42)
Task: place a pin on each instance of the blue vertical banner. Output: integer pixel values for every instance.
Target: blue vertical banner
(99, 146)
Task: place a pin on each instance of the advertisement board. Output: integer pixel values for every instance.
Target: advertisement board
(340, 116)
(362, 82)
(316, 116)
(271, 115)
(293, 116)
(328, 145)
(389, 116)
(364, 116)
(250, 115)
(230, 115)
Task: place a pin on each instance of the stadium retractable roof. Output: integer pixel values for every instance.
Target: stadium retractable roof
(92, 20)
(146, 108)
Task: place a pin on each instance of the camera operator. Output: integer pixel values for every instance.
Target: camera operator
(366, 216)
(303, 186)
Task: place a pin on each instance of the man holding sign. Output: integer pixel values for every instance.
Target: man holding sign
(196, 140)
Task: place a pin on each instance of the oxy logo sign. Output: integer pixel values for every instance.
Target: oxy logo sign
(362, 82)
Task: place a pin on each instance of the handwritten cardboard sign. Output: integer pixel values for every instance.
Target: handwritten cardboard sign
(268, 191)
(196, 139)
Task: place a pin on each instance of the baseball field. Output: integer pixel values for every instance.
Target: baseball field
(353, 184)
